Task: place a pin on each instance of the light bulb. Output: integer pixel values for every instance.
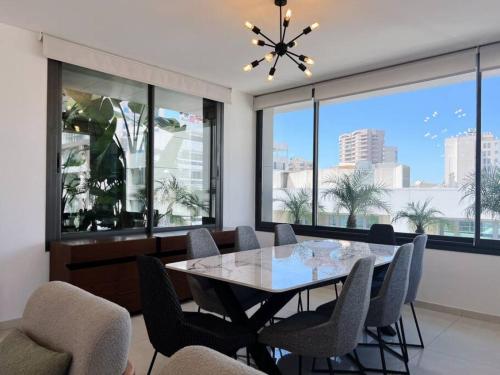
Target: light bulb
(247, 68)
(269, 56)
(270, 77)
(309, 61)
(255, 41)
(288, 15)
(248, 25)
(308, 73)
(315, 25)
(77, 128)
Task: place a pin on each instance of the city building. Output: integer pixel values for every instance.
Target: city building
(362, 144)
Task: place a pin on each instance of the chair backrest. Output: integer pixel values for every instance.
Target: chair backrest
(352, 305)
(160, 305)
(284, 235)
(393, 292)
(200, 244)
(95, 331)
(246, 239)
(382, 234)
(417, 259)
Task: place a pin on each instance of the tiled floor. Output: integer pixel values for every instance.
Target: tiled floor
(454, 345)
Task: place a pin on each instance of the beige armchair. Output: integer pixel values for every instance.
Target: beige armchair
(200, 360)
(68, 319)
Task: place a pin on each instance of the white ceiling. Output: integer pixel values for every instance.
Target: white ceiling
(206, 38)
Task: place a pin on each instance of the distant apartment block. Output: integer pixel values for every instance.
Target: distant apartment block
(390, 154)
(362, 145)
(460, 159)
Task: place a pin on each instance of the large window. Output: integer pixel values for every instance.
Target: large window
(104, 176)
(399, 157)
(398, 146)
(287, 163)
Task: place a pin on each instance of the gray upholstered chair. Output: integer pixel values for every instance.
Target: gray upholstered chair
(245, 239)
(196, 360)
(95, 331)
(284, 235)
(385, 307)
(417, 260)
(317, 335)
(200, 244)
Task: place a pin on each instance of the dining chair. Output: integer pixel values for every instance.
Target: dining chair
(417, 260)
(170, 329)
(200, 244)
(382, 234)
(314, 334)
(245, 239)
(284, 235)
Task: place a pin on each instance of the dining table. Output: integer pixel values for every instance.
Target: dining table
(282, 272)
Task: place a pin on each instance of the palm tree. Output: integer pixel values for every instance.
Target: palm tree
(421, 215)
(298, 204)
(353, 194)
(171, 193)
(490, 192)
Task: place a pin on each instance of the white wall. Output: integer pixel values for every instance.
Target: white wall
(24, 264)
(239, 161)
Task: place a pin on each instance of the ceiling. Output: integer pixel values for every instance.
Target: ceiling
(206, 38)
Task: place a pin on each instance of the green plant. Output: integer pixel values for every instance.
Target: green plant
(298, 205)
(490, 192)
(170, 192)
(352, 193)
(421, 215)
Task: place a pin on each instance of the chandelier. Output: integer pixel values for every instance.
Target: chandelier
(282, 48)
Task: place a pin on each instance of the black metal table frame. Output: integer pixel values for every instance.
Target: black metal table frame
(234, 310)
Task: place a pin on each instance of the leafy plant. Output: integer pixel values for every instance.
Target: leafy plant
(298, 205)
(171, 193)
(421, 215)
(352, 193)
(490, 192)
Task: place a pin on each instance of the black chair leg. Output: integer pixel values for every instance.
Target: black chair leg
(308, 299)
(152, 362)
(382, 354)
(404, 350)
(299, 303)
(416, 324)
(330, 367)
(300, 365)
(199, 309)
(336, 291)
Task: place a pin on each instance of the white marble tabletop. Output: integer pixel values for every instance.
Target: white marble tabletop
(282, 268)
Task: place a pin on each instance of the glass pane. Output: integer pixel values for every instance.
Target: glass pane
(490, 158)
(103, 163)
(400, 157)
(184, 190)
(287, 163)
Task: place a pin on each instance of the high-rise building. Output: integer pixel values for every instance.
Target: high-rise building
(460, 159)
(362, 145)
(390, 154)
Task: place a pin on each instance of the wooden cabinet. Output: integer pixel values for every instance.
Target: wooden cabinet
(106, 267)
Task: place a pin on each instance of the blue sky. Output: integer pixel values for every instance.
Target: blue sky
(416, 122)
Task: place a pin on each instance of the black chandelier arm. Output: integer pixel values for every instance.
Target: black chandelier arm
(284, 33)
(270, 45)
(281, 26)
(291, 58)
(276, 61)
(297, 37)
(267, 38)
(292, 53)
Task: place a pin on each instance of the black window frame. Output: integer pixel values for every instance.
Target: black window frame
(53, 230)
(475, 245)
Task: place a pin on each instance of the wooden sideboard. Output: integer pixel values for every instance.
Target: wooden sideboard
(106, 266)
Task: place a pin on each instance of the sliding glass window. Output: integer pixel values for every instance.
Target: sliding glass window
(103, 151)
(119, 150)
(182, 160)
(287, 163)
(402, 156)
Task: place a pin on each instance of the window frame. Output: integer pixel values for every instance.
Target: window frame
(475, 245)
(53, 192)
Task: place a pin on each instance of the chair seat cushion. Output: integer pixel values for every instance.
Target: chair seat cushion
(327, 308)
(228, 335)
(286, 334)
(21, 355)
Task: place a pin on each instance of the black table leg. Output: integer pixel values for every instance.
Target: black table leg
(259, 352)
